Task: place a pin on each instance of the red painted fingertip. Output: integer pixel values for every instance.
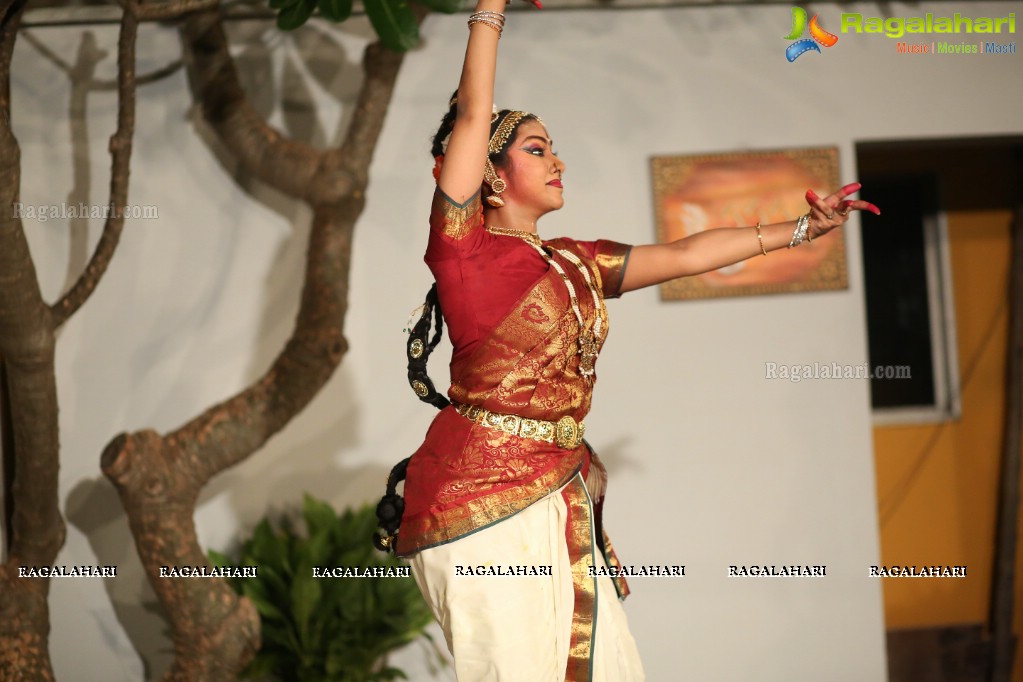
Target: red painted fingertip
(852, 187)
(539, 5)
(811, 195)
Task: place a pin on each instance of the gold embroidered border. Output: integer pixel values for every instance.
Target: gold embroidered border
(611, 265)
(596, 484)
(579, 536)
(440, 527)
(621, 586)
(457, 221)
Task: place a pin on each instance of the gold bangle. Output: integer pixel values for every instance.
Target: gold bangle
(760, 238)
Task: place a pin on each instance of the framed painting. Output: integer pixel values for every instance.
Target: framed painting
(693, 193)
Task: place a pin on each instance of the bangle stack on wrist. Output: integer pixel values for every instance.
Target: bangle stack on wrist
(494, 20)
(799, 234)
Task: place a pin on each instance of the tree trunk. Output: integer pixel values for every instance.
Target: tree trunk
(159, 477)
(27, 345)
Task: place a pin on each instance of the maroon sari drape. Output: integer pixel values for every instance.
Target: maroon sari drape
(515, 339)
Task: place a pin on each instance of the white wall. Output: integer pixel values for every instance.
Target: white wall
(710, 463)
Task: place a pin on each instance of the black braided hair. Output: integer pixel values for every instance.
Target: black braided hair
(447, 124)
(420, 346)
(390, 508)
(418, 349)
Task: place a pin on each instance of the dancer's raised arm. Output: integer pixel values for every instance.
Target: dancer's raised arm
(462, 171)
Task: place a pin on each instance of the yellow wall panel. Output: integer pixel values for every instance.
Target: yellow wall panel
(938, 484)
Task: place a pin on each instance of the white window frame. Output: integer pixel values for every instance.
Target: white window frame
(947, 404)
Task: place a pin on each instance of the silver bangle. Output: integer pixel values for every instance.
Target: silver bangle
(799, 234)
(494, 20)
(487, 14)
(489, 22)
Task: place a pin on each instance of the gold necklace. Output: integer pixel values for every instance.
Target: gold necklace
(529, 237)
(589, 341)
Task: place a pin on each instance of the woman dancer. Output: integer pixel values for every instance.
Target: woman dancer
(503, 499)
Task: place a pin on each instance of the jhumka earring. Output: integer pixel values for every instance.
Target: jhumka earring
(497, 185)
(498, 140)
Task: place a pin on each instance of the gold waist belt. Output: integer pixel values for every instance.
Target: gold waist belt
(565, 433)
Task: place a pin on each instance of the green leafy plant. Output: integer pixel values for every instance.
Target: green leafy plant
(327, 628)
(393, 20)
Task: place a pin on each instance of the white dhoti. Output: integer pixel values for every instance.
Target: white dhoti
(529, 628)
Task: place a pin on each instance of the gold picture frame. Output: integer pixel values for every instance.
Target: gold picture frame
(696, 192)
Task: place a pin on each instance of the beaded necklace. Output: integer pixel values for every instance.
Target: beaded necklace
(589, 341)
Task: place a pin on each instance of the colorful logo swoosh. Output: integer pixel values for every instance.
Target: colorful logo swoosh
(818, 36)
(798, 23)
(800, 47)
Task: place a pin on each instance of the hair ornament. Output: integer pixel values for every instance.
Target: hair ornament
(504, 130)
(447, 138)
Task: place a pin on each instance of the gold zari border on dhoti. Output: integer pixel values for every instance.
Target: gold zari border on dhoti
(439, 527)
(579, 536)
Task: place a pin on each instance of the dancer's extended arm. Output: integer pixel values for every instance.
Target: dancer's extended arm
(713, 249)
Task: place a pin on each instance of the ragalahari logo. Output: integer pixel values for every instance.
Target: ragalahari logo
(817, 35)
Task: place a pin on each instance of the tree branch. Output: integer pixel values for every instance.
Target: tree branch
(289, 166)
(97, 84)
(215, 632)
(120, 165)
(380, 67)
(174, 9)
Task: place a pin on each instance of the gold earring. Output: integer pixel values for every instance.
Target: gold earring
(497, 185)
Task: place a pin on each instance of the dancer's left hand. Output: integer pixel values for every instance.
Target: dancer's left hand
(833, 210)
